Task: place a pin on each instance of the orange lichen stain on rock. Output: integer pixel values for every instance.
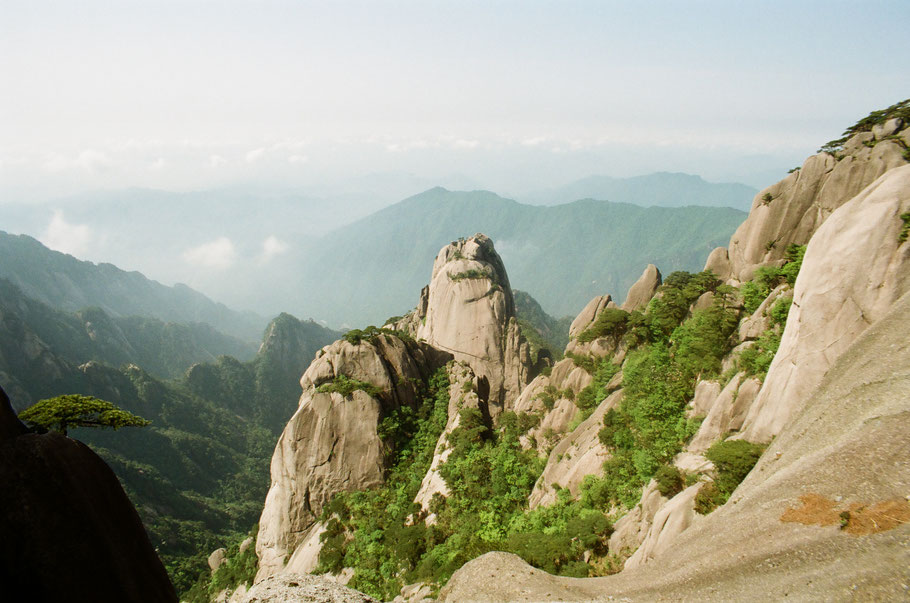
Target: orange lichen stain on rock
(816, 510)
(859, 519)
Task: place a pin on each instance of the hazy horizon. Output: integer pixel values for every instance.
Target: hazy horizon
(344, 108)
(196, 95)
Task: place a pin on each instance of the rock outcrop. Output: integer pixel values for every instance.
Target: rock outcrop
(331, 444)
(643, 290)
(69, 532)
(470, 313)
(577, 455)
(794, 208)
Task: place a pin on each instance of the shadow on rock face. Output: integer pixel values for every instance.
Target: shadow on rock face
(68, 532)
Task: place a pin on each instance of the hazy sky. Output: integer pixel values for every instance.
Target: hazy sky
(510, 95)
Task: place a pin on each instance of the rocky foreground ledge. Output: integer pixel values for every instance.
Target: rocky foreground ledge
(299, 588)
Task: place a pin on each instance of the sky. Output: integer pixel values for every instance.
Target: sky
(511, 96)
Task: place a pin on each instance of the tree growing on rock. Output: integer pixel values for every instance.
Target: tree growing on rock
(75, 410)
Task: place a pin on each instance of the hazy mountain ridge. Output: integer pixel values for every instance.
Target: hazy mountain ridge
(663, 189)
(165, 350)
(562, 255)
(64, 282)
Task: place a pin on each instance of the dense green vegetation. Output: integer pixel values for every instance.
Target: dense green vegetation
(611, 322)
(649, 427)
(382, 534)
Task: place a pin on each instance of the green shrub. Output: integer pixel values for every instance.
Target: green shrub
(669, 480)
(767, 198)
(905, 229)
(708, 499)
(346, 386)
(733, 460)
(611, 322)
(371, 333)
(472, 273)
(900, 109)
(589, 363)
(793, 262)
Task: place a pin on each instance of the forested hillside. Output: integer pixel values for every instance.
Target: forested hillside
(199, 473)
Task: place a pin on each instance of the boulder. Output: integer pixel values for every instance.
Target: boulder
(633, 527)
(726, 414)
(718, 262)
(217, 559)
(588, 314)
(671, 520)
(577, 455)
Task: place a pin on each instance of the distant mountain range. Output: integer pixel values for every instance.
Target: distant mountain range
(260, 240)
(663, 189)
(66, 283)
(563, 255)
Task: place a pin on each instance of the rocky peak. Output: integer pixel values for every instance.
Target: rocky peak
(470, 313)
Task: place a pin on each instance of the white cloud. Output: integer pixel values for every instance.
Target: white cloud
(217, 255)
(298, 159)
(533, 142)
(255, 155)
(271, 247)
(74, 239)
(461, 143)
(216, 160)
(158, 164)
(93, 161)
